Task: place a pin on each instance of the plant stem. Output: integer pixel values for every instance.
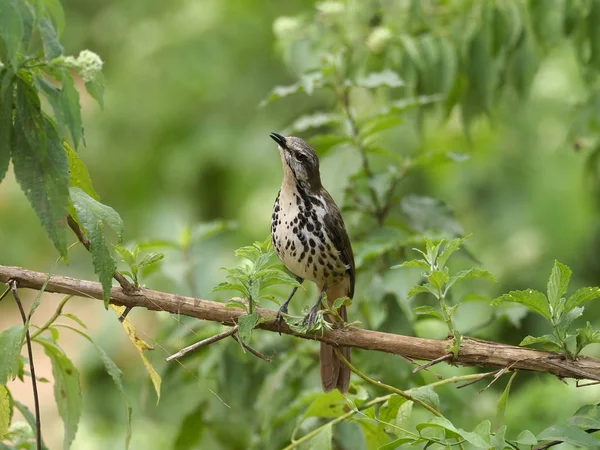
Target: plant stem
(53, 317)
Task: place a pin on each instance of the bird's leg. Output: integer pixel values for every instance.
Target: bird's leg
(284, 308)
(309, 320)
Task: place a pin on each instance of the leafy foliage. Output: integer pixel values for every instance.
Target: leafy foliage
(439, 281)
(559, 311)
(135, 264)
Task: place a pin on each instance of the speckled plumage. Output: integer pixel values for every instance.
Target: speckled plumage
(310, 238)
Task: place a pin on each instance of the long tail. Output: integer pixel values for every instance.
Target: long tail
(334, 373)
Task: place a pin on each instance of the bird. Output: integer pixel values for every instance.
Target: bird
(310, 239)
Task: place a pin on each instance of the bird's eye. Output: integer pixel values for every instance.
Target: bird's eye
(301, 157)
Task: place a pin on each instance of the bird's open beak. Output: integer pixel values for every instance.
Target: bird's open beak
(279, 139)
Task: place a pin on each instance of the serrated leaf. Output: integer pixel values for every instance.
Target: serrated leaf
(70, 108)
(570, 435)
(501, 408)
(533, 300)
(418, 289)
(322, 441)
(67, 390)
(11, 30)
(558, 282)
(141, 347)
(95, 88)
(438, 278)
(420, 263)
(450, 247)
(78, 173)
(428, 311)
(474, 272)
(6, 119)
(4, 411)
(111, 369)
(92, 216)
(342, 301)
(236, 304)
(11, 341)
(52, 47)
(245, 326)
(547, 339)
(40, 165)
(581, 296)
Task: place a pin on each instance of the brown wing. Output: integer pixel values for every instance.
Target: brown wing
(334, 224)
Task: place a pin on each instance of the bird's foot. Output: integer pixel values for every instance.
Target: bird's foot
(309, 319)
(279, 318)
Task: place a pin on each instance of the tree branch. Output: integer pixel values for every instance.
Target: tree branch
(473, 352)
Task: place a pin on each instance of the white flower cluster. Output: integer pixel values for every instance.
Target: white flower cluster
(88, 64)
(379, 38)
(284, 25)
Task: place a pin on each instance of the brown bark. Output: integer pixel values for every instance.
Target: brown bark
(473, 352)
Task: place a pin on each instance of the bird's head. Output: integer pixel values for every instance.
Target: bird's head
(299, 159)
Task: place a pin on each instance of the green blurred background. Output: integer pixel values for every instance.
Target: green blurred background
(181, 141)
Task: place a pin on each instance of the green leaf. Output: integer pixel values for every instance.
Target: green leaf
(40, 165)
(324, 143)
(378, 79)
(6, 119)
(92, 216)
(427, 395)
(322, 440)
(503, 400)
(329, 404)
(419, 289)
(533, 300)
(95, 88)
(78, 173)
(526, 437)
(477, 438)
(397, 443)
(474, 272)
(4, 411)
(389, 411)
(438, 278)
(558, 283)
(190, 434)
(11, 341)
(316, 120)
(586, 417)
(29, 417)
(570, 435)
(11, 31)
(586, 336)
(420, 263)
(547, 339)
(581, 296)
(428, 311)
(57, 14)
(70, 108)
(246, 324)
(67, 390)
(450, 247)
(594, 32)
(52, 47)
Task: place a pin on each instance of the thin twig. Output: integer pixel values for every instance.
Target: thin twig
(202, 343)
(447, 357)
(125, 312)
(593, 383)
(412, 361)
(478, 379)
(5, 293)
(250, 349)
(13, 284)
(53, 317)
